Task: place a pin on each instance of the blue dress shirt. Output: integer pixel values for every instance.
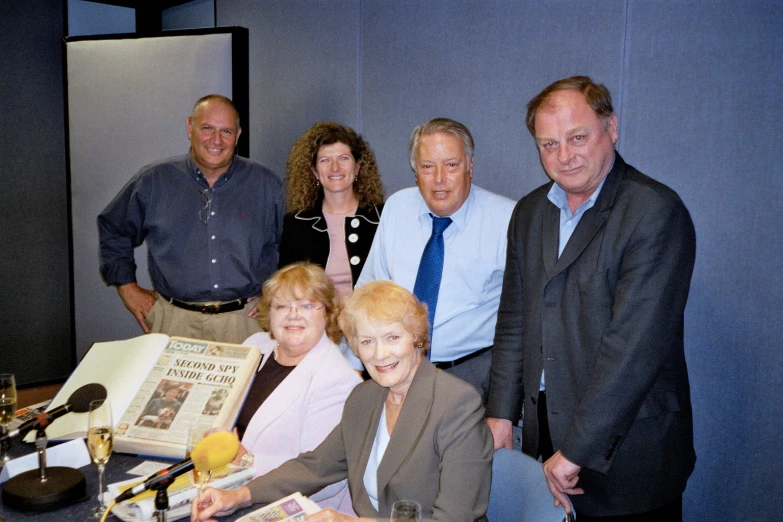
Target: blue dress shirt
(473, 265)
(226, 258)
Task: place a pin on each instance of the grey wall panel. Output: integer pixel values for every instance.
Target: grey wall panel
(128, 101)
(35, 329)
(702, 98)
(478, 63)
(304, 68)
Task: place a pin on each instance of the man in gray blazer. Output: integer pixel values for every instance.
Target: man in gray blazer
(589, 337)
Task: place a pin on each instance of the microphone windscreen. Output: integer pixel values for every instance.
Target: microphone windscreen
(81, 398)
(215, 451)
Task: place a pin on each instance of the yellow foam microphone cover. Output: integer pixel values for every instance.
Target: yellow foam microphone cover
(215, 451)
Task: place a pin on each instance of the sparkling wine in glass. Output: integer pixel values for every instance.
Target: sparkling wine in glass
(196, 434)
(7, 410)
(405, 511)
(100, 438)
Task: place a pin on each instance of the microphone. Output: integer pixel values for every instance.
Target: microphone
(214, 451)
(78, 402)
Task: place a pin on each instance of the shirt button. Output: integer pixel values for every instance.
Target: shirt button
(355, 223)
(213, 237)
(355, 260)
(353, 238)
(214, 261)
(212, 213)
(215, 286)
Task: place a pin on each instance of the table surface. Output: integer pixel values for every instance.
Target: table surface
(116, 471)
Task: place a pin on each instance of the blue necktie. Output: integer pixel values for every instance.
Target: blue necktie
(431, 269)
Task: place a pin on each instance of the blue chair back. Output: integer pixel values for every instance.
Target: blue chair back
(519, 492)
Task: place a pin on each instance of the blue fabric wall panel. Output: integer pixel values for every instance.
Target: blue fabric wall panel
(702, 100)
(304, 68)
(479, 63)
(34, 267)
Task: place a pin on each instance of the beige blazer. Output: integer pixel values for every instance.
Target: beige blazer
(440, 453)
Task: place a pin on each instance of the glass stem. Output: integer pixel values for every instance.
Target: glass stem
(100, 485)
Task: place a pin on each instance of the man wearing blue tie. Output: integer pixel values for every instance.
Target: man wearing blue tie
(446, 242)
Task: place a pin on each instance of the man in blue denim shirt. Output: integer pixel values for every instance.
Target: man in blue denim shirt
(212, 222)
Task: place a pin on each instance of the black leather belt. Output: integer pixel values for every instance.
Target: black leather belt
(209, 309)
(443, 365)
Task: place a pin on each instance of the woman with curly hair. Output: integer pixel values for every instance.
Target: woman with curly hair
(334, 203)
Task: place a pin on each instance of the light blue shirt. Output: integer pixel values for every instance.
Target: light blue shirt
(568, 220)
(473, 264)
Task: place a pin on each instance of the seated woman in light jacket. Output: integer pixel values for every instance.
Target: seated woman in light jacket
(299, 391)
(413, 432)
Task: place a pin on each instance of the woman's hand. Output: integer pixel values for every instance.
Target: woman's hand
(330, 515)
(241, 451)
(218, 503)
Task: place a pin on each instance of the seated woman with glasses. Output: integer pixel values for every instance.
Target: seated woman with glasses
(298, 394)
(412, 432)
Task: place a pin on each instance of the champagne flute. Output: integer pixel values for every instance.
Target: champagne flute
(196, 434)
(100, 437)
(405, 511)
(7, 410)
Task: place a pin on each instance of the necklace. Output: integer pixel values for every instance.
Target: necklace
(274, 350)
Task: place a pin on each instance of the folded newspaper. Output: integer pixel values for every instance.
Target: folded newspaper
(292, 508)
(181, 494)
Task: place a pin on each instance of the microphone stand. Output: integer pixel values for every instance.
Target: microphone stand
(44, 489)
(162, 498)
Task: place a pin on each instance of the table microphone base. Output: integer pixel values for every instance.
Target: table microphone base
(26, 492)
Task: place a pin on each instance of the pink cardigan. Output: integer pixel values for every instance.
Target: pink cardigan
(299, 414)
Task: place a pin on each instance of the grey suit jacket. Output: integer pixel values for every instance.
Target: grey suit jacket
(440, 453)
(605, 321)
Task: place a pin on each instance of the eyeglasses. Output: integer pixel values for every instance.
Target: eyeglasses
(304, 308)
(204, 213)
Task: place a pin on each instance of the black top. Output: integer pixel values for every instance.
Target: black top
(267, 380)
(305, 237)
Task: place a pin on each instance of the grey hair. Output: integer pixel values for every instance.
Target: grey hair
(446, 125)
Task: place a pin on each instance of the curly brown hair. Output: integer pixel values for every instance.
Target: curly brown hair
(303, 190)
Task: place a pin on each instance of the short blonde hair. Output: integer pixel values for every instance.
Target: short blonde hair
(386, 302)
(302, 281)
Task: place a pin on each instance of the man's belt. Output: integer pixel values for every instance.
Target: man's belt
(208, 308)
(443, 365)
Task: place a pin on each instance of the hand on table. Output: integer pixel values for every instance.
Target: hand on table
(561, 477)
(218, 503)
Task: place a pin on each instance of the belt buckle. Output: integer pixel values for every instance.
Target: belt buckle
(210, 309)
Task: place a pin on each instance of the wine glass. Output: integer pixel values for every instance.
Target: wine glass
(196, 434)
(405, 511)
(100, 437)
(7, 410)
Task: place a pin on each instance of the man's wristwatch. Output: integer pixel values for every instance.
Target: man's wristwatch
(246, 461)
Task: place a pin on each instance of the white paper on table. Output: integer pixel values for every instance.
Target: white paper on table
(71, 454)
(148, 467)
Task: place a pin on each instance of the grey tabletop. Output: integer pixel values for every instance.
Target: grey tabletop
(116, 470)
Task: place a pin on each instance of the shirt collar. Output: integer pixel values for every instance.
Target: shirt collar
(459, 218)
(195, 171)
(559, 198)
